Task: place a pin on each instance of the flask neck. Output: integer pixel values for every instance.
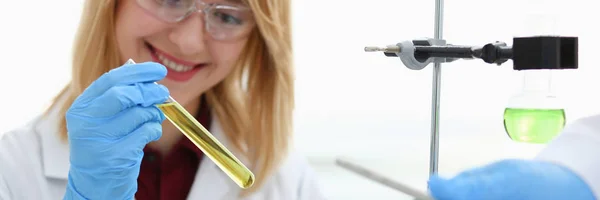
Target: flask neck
(536, 92)
(537, 81)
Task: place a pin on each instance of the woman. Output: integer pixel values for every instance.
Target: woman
(227, 61)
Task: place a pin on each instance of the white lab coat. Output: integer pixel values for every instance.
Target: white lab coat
(578, 148)
(34, 165)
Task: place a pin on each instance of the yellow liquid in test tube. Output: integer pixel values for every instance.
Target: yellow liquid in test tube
(206, 142)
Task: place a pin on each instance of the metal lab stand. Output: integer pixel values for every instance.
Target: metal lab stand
(527, 53)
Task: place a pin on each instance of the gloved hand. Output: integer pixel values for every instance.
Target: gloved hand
(512, 179)
(108, 126)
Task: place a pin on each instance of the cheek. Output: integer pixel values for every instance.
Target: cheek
(224, 57)
(227, 54)
(131, 26)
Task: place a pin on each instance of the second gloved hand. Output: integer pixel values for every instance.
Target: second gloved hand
(108, 126)
(514, 180)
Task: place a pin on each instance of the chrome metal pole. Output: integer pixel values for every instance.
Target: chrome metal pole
(435, 103)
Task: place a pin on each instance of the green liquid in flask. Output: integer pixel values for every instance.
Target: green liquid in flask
(537, 126)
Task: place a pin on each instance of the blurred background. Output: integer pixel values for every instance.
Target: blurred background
(365, 107)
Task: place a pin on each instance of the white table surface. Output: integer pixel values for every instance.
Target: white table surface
(406, 161)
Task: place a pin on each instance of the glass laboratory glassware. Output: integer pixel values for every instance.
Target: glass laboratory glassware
(535, 115)
(205, 141)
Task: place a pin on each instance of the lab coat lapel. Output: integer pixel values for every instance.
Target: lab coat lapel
(55, 153)
(210, 181)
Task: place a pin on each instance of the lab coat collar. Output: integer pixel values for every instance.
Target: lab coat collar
(55, 152)
(210, 181)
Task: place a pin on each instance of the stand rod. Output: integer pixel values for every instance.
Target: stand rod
(435, 103)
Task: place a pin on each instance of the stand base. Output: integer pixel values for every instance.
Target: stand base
(371, 175)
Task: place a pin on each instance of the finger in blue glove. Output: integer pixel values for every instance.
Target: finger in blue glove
(108, 126)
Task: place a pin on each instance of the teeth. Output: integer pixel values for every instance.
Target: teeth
(173, 65)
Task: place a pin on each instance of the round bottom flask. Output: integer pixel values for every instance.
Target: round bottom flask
(534, 115)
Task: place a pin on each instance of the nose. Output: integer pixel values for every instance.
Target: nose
(188, 35)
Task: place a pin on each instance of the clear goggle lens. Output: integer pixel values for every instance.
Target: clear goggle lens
(222, 21)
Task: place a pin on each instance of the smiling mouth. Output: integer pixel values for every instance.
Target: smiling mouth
(172, 63)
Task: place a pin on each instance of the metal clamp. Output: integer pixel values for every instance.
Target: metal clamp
(407, 52)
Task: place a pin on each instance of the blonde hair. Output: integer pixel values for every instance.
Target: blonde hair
(257, 120)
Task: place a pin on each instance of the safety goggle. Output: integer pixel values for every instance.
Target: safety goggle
(223, 21)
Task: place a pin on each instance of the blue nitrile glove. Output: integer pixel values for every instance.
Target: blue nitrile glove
(109, 124)
(512, 180)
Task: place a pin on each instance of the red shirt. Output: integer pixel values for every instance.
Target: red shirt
(172, 176)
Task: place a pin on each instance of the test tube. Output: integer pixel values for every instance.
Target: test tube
(206, 142)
